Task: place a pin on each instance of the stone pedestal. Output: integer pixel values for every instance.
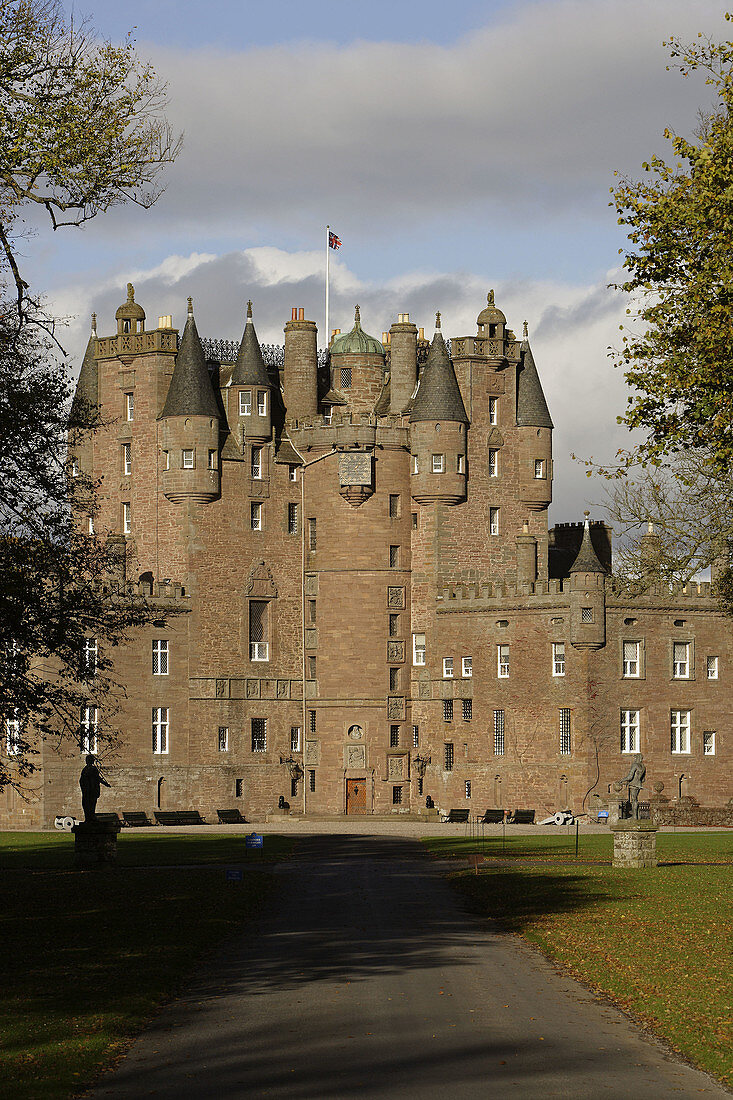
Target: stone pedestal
(615, 808)
(634, 844)
(95, 844)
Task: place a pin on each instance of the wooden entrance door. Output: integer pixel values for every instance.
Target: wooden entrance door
(356, 796)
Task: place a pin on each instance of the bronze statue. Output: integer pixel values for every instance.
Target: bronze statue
(91, 783)
(635, 781)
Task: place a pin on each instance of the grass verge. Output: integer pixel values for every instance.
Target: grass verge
(90, 955)
(656, 942)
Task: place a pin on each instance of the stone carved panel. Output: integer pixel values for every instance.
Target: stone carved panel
(283, 689)
(396, 707)
(395, 767)
(311, 638)
(355, 756)
(311, 754)
(395, 597)
(268, 689)
(253, 689)
(424, 689)
(355, 469)
(260, 584)
(395, 652)
(222, 689)
(311, 584)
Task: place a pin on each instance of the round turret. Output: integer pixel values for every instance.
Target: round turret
(250, 390)
(130, 316)
(356, 342)
(357, 370)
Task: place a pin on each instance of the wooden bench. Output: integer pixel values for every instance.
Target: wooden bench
(231, 817)
(457, 817)
(521, 817)
(135, 819)
(492, 817)
(179, 817)
(106, 819)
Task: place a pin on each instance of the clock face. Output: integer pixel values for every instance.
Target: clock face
(356, 732)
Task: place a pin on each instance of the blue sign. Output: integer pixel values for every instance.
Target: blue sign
(602, 813)
(234, 874)
(254, 840)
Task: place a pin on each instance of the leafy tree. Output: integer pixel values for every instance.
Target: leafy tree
(677, 358)
(81, 129)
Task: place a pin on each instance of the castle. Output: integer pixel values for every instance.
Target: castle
(373, 610)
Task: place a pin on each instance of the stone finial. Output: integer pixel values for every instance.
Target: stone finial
(490, 297)
(357, 315)
(130, 292)
(587, 518)
(94, 324)
(249, 310)
(525, 331)
(437, 319)
(649, 527)
(525, 527)
(190, 307)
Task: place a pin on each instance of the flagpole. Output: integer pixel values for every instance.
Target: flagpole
(328, 249)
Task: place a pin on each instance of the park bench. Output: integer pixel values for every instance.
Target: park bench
(521, 817)
(492, 817)
(108, 819)
(231, 817)
(135, 819)
(179, 817)
(456, 817)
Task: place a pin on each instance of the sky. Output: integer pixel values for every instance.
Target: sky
(453, 148)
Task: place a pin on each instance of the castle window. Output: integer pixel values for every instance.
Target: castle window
(394, 556)
(239, 788)
(397, 796)
(467, 788)
(160, 730)
(493, 463)
(127, 459)
(293, 525)
(502, 653)
(394, 505)
(394, 737)
(680, 731)
(311, 534)
(12, 736)
(90, 524)
(467, 710)
(460, 464)
(89, 657)
(708, 743)
(166, 460)
(255, 515)
(75, 467)
(416, 737)
(259, 735)
(129, 406)
(160, 656)
(558, 658)
(346, 378)
(292, 473)
(213, 459)
(126, 519)
(586, 614)
(312, 721)
(311, 611)
(447, 668)
(447, 710)
(312, 780)
(258, 630)
(629, 731)
(327, 414)
(539, 467)
(711, 666)
(311, 667)
(187, 459)
(295, 738)
(245, 402)
(262, 402)
(438, 464)
(257, 463)
(630, 666)
(223, 739)
(498, 733)
(418, 649)
(394, 625)
(467, 667)
(681, 660)
(448, 756)
(415, 466)
(565, 740)
(394, 679)
(126, 327)
(493, 410)
(494, 521)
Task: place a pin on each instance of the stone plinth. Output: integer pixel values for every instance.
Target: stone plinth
(95, 844)
(634, 844)
(615, 808)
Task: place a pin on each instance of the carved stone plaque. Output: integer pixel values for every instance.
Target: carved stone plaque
(283, 689)
(253, 689)
(395, 651)
(424, 690)
(395, 597)
(355, 756)
(396, 707)
(355, 469)
(310, 756)
(268, 689)
(221, 689)
(355, 732)
(395, 767)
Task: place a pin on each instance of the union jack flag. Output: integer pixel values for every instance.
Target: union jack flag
(333, 240)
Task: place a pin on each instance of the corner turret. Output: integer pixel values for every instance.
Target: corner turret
(535, 433)
(84, 414)
(587, 596)
(250, 404)
(438, 426)
(190, 425)
(357, 370)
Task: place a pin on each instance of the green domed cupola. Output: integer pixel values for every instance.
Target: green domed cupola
(356, 342)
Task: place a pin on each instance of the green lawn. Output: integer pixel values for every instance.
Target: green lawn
(657, 942)
(89, 955)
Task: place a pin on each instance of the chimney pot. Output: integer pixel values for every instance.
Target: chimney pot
(301, 314)
(294, 313)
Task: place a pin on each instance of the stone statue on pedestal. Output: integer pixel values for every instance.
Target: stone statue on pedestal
(91, 783)
(634, 781)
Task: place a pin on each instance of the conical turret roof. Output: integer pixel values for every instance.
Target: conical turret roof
(85, 405)
(587, 559)
(250, 369)
(532, 410)
(191, 392)
(438, 396)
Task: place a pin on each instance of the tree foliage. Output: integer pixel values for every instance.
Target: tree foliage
(677, 358)
(82, 125)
